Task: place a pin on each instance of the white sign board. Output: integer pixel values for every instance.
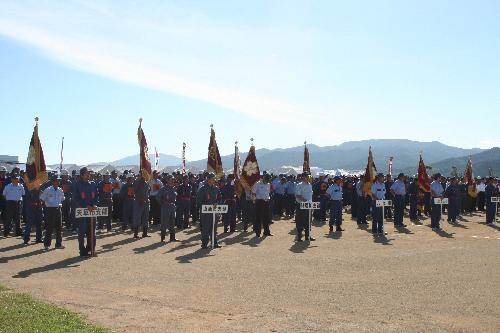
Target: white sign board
(219, 209)
(439, 201)
(495, 199)
(383, 203)
(309, 205)
(84, 212)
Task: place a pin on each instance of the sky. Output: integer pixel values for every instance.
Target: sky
(280, 72)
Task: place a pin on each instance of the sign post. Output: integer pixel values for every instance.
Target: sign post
(495, 200)
(383, 203)
(92, 215)
(310, 206)
(441, 201)
(214, 210)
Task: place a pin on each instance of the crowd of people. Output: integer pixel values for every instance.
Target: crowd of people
(174, 201)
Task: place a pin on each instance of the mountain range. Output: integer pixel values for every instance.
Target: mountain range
(352, 155)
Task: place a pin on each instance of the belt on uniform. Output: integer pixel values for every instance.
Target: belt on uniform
(57, 208)
(265, 200)
(185, 198)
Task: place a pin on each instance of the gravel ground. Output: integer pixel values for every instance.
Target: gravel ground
(414, 280)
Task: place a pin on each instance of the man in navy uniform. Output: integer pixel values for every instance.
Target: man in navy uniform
(155, 184)
(361, 206)
(85, 196)
(491, 190)
(413, 192)
(184, 192)
(105, 199)
(377, 193)
(334, 192)
(34, 215)
(229, 198)
(66, 185)
(127, 198)
(208, 194)
(398, 191)
(3, 182)
(141, 206)
(452, 192)
(166, 199)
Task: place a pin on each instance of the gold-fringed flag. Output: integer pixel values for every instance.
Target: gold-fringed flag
(144, 162)
(36, 171)
(237, 162)
(214, 162)
(423, 180)
(468, 175)
(250, 174)
(306, 167)
(370, 173)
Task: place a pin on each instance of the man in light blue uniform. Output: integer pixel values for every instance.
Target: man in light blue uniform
(378, 193)
(436, 192)
(53, 198)
(303, 193)
(334, 192)
(261, 190)
(13, 193)
(398, 189)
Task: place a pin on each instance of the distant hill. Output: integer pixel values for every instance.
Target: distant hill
(352, 155)
(481, 163)
(165, 160)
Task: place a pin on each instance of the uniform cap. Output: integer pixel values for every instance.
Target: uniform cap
(64, 173)
(336, 178)
(130, 175)
(401, 175)
(55, 177)
(3, 169)
(106, 173)
(210, 175)
(380, 175)
(83, 171)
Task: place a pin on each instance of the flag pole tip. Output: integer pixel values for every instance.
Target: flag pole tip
(211, 125)
(305, 142)
(36, 120)
(140, 120)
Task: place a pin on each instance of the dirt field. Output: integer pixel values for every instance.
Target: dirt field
(415, 280)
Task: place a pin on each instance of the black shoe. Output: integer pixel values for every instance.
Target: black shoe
(26, 242)
(310, 238)
(60, 247)
(216, 246)
(257, 234)
(144, 235)
(268, 234)
(204, 246)
(38, 241)
(173, 239)
(331, 228)
(339, 229)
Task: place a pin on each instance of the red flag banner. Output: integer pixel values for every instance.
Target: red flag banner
(423, 178)
(468, 175)
(250, 174)
(306, 167)
(145, 164)
(370, 173)
(214, 162)
(36, 171)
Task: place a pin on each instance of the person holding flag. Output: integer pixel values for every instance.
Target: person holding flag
(250, 174)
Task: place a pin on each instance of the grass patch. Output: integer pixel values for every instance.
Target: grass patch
(21, 313)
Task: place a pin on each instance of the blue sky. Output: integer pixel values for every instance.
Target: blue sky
(279, 71)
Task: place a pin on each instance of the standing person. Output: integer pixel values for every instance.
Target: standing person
(66, 186)
(261, 190)
(53, 198)
(452, 192)
(335, 193)
(127, 199)
(166, 199)
(229, 198)
(361, 206)
(3, 183)
(491, 190)
(413, 193)
(34, 215)
(208, 194)
(398, 191)
(480, 187)
(436, 192)
(248, 209)
(378, 193)
(155, 184)
(390, 196)
(303, 193)
(85, 196)
(13, 194)
(194, 189)
(141, 206)
(290, 196)
(184, 192)
(105, 199)
(117, 204)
